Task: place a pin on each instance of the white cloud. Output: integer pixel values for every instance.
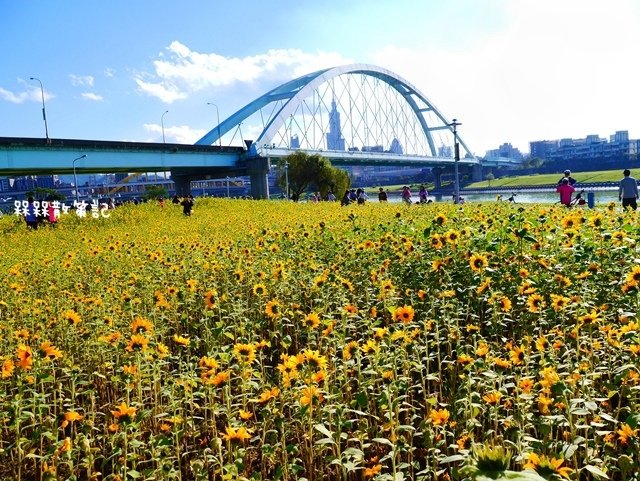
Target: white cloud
(81, 80)
(109, 72)
(92, 96)
(183, 71)
(181, 134)
(557, 69)
(32, 94)
(13, 97)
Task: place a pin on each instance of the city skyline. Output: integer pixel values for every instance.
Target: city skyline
(511, 71)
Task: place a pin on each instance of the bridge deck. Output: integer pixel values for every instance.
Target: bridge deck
(35, 156)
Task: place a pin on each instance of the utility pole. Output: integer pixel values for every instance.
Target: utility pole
(456, 148)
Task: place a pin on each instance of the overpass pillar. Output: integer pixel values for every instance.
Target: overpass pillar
(476, 173)
(258, 169)
(437, 175)
(183, 184)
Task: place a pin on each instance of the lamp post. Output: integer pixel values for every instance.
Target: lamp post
(218, 120)
(227, 186)
(75, 179)
(286, 177)
(44, 111)
(162, 122)
(456, 148)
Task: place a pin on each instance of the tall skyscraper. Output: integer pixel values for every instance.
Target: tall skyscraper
(335, 141)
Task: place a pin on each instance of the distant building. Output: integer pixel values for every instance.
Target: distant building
(540, 149)
(445, 151)
(506, 150)
(335, 140)
(593, 147)
(396, 147)
(5, 185)
(372, 148)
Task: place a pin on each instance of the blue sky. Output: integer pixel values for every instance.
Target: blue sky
(509, 70)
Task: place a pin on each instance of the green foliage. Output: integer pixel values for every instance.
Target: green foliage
(42, 193)
(155, 192)
(311, 171)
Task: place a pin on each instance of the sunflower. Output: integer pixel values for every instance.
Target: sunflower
(436, 241)
(346, 284)
(140, 325)
(483, 349)
(492, 398)
(7, 368)
(311, 320)
(463, 359)
(181, 340)
(386, 288)
(161, 300)
(517, 355)
(478, 262)
(50, 351)
(350, 309)
(72, 317)
(273, 309)
(559, 303)
(547, 467)
(25, 357)
(220, 378)
(440, 219)
(349, 350)
(634, 275)
(259, 290)
(484, 285)
(505, 304)
(314, 359)
(452, 236)
(542, 344)
(138, 342)
(625, 433)
(535, 303)
(589, 318)
(526, 385)
(404, 314)
(439, 417)
(245, 352)
(267, 395)
(320, 281)
(310, 395)
(234, 435)
(209, 299)
(124, 412)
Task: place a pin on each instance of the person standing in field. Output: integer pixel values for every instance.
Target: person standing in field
(567, 175)
(382, 195)
(187, 205)
(628, 191)
(566, 190)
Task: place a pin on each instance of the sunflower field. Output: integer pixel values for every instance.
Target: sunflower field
(262, 340)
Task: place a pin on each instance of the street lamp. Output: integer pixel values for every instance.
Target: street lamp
(218, 120)
(75, 179)
(44, 111)
(227, 186)
(456, 147)
(286, 177)
(162, 122)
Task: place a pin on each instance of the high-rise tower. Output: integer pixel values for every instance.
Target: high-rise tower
(335, 141)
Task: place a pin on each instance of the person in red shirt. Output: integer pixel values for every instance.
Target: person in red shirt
(566, 191)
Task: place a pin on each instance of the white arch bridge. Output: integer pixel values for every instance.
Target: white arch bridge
(353, 115)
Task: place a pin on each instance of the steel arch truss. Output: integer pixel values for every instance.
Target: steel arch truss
(352, 108)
